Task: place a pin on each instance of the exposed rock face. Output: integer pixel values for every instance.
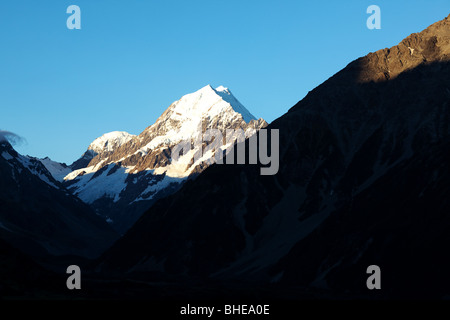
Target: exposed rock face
(430, 45)
(363, 180)
(122, 175)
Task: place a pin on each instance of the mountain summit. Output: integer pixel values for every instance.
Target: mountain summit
(110, 141)
(207, 102)
(122, 175)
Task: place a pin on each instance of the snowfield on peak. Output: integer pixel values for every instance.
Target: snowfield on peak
(209, 102)
(57, 170)
(227, 96)
(109, 141)
(204, 109)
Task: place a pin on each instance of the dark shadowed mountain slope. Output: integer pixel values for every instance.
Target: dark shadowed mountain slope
(21, 277)
(363, 180)
(39, 216)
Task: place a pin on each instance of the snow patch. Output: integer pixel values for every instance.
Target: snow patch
(7, 156)
(35, 167)
(89, 190)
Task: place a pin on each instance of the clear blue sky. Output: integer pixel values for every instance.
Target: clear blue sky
(60, 88)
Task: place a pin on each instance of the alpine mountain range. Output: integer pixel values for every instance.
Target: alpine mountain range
(363, 180)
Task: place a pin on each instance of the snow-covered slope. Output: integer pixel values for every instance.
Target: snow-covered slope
(33, 165)
(120, 170)
(102, 147)
(110, 141)
(227, 96)
(57, 170)
(206, 103)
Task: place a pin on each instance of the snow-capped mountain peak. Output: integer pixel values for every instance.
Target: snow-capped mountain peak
(110, 141)
(227, 96)
(209, 102)
(206, 108)
(120, 171)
